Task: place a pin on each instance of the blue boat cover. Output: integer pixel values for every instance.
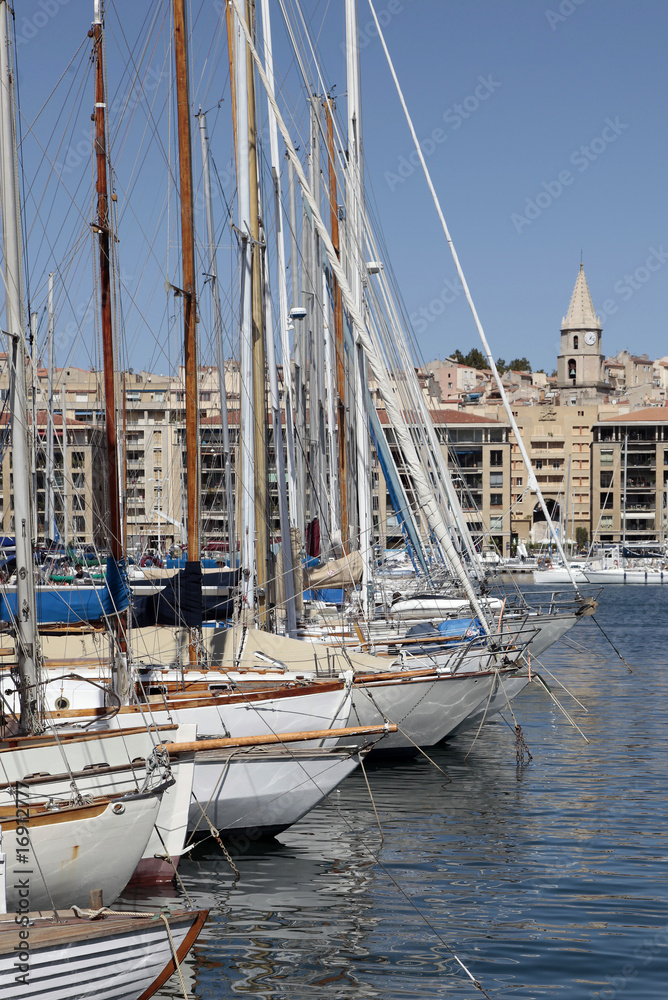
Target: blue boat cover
(466, 627)
(75, 605)
(331, 595)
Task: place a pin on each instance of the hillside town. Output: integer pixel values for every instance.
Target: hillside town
(596, 432)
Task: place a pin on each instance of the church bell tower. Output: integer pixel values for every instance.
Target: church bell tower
(580, 363)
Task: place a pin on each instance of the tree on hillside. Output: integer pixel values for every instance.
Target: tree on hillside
(474, 359)
(520, 365)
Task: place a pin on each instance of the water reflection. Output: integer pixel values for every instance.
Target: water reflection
(547, 880)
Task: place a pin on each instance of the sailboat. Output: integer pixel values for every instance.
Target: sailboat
(93, 955)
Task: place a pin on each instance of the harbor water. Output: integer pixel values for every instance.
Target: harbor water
(546, 877)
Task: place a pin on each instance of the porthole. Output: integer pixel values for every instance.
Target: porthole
(62, 703)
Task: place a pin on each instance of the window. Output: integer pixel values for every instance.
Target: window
(78, 502)
(495, 479)
(496, 458)
(538, 463)
(81, 397)
(606, 521)
(576, 341)
(581, 413)
(606, 456)
(572, 369)
(205, 397)
(132, 396)
(517, 481)
(496, 499)
(78, 459)
(496, 524)
(79, 524)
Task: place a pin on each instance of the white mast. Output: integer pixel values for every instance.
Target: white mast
(379, 371)
(334, 483)
(246, 448)
(50, 512)
(26, 621)
(298, 314)
(218, 335)
(354, 197)
(280, 262)
(277, 427)
(532, 481)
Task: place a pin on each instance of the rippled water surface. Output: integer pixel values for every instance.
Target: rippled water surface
(547, 880)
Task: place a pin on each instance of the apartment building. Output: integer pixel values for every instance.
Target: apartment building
(630, 476)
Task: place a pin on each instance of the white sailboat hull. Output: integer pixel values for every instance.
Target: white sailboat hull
(504, 690)
(73, 853)
(88, 959)
(425, 710)
(621, 575)
(263, 791)
(427, 606)
(116, 750)
(248, 715)
(557, 574)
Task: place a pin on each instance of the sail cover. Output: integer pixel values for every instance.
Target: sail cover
(74, 605)
(395, 489)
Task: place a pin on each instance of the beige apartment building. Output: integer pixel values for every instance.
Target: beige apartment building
(630, 477)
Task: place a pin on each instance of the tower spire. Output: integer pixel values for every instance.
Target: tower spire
(581, 314)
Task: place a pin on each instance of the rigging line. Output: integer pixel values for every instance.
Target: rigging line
(368, 786)
(563, 686)
(567, 640)
(37, 116)
(484, 716)
(533, 482)
(560, 706)
(150, 119)
(598, 624)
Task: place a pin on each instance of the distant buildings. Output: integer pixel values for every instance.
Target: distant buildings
(597, 436)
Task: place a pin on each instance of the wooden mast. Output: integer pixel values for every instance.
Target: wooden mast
(103, 229)
(338, 332)
(188, 288)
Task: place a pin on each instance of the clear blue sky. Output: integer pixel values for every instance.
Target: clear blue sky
(544, 124)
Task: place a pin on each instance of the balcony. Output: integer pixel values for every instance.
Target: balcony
(640, 484)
